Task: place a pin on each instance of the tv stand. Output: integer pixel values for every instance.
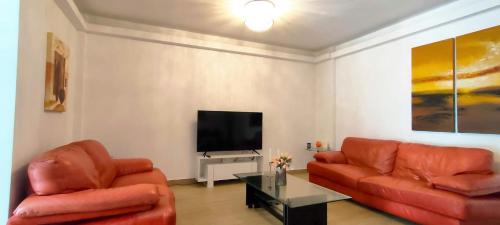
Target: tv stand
(219, 167)
(253, 150)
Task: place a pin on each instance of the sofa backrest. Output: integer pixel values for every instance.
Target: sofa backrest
(102, 161)
(65, 169)
(423, 162)
(375, 154)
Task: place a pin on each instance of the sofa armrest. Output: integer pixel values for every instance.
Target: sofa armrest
(130, 166)
(92, 200)
(331, 157)
(471, 185)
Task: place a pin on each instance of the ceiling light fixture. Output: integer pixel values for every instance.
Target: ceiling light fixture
(259, 15)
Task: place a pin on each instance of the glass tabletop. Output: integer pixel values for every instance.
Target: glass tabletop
(296, 193)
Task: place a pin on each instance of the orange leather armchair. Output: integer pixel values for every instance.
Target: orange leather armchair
(79, 183)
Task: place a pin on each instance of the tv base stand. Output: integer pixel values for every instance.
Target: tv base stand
(222, 167)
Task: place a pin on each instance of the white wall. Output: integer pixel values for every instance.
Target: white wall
(9, 22)
(36, 130)
(141, 99)
(374, 88)
(325, 102)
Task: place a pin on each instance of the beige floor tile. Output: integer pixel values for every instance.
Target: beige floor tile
(225, 205)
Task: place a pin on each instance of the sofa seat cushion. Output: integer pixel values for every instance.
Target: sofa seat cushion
(73, 217)
(343, 174)
(162, 214)
(471, 185)
(89, 201)
(418, 194)
(152, 177)
(376, 154)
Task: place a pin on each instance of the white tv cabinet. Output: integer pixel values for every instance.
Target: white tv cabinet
(222, 167)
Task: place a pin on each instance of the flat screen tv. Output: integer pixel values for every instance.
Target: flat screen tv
(229, 131)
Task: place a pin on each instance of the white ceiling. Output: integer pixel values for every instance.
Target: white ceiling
(306, 24)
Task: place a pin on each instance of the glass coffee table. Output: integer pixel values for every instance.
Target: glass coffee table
(299, 202)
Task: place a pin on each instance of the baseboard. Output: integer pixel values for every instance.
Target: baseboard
(181, 182)
(297, 171)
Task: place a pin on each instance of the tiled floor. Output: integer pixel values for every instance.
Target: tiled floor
(225, 205)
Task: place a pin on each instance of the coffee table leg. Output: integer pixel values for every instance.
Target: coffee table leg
(251, 200)
(305, 215)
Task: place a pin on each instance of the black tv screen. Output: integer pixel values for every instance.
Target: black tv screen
(229, 131)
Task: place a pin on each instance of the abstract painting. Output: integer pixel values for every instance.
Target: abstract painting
(56, 75)
(433, 87)
(478, 81)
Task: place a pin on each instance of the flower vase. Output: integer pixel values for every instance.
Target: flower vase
(281, 176)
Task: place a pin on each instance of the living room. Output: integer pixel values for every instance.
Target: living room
(136, 76)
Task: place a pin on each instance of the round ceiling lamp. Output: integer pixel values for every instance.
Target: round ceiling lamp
(259, 15)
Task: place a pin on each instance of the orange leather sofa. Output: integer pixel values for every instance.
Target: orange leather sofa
(422, 183)
(80, 183)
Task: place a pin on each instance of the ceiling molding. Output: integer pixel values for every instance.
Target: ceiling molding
(143, 32)
(200, 36)
(124, 29)
(193, 43)
(157, 34)
(323, 57)
(427, 20)
(71, 11)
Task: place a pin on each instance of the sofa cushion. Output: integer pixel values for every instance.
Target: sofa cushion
(102, 160)
(418, 194)
(343, 174)
(131, 166)
(423, 162)
(471, 185)
(376, 154)
(153, 177)
(70, 218)
(163, 213)
(90, 200)
(62, 170)
(330, 157)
